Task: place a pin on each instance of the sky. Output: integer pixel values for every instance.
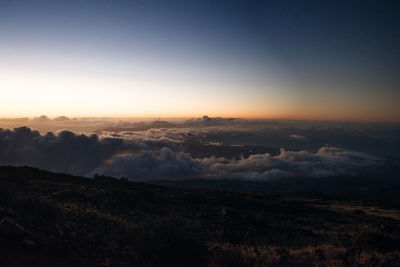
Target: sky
(253, 59)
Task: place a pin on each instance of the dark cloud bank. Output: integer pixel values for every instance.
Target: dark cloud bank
(152, 159)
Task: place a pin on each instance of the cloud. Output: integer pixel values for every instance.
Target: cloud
(42, 118)
(194, 123)
(138, 158)
(65, 152)
(61, 118)
(146, 165)
(327, 161)
(297, 137)
(138, 126)
(207, 121)
(375, 138)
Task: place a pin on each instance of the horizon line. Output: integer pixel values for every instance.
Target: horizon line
(175, 116)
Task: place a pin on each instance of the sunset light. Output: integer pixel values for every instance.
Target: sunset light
(198, 133)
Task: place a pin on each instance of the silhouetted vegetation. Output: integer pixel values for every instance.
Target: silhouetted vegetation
(49, 219)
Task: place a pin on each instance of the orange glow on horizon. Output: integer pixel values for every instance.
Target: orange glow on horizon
(272, 116)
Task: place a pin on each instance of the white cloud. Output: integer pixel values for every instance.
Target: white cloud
(297, 137)
(146, 159)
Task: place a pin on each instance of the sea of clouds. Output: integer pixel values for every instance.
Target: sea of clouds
(157, 153)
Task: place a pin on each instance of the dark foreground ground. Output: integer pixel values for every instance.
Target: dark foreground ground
(52, 219)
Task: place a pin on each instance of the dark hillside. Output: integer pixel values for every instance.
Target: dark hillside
(49, 219)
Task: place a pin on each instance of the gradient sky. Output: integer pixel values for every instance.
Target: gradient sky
(264, 59)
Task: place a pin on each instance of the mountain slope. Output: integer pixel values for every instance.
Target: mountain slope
(50, 219)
